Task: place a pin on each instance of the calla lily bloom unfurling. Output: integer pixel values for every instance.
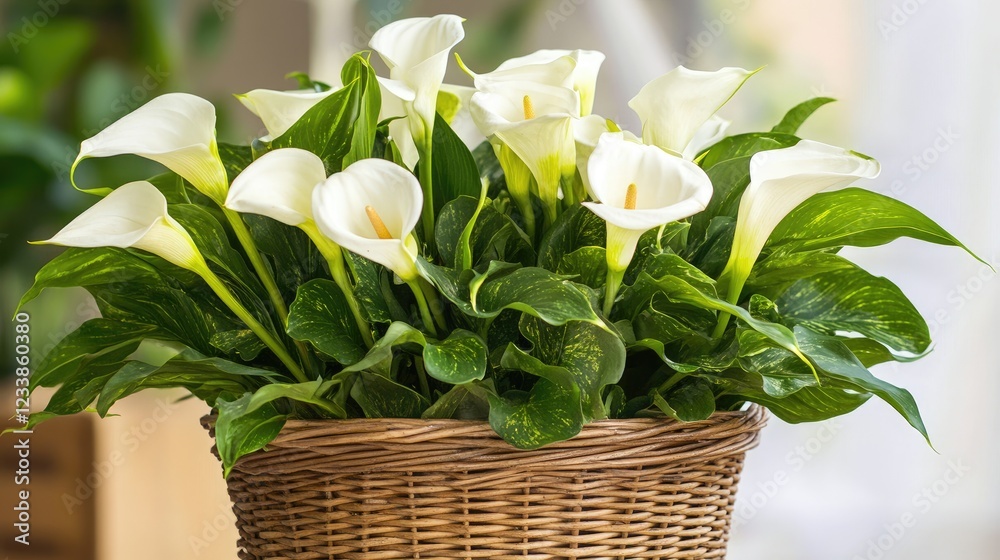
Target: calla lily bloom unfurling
(637, 188)
(584, 75)
(556, 71)
(371, 209)
(416, 50)
(176, 130)
(781, 180)
(279, 110)
(707, 136)
(676, 105)
(133, 216)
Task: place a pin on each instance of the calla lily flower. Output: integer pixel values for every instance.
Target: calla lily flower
(781, 180)
(279, 110)
(133, 216)
(674, 106)
(587, 132)
(535, 122)
(584, 75)
(555, 71)
(637, 188)
(416, 50)
(279, 185)
(176, 130)
(707, 136)
(371, 209)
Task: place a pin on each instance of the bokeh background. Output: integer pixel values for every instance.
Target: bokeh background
(918, 87)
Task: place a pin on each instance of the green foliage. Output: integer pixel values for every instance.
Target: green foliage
(500, 326)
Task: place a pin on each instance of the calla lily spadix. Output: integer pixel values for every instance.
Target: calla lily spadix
(584, 75)
(279, 110)
(637, 188)
(280, 185)
(135, 216)
(676, 105)
(176, 130)
(416, 51)
(781, 180)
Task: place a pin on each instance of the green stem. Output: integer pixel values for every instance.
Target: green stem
(334, 256)
(733, 297)
(611, 288)
(434, 303)
(425, 387)
(243, 234)
(427, 182)
(265, 336)
(671, 382)
(425, 313)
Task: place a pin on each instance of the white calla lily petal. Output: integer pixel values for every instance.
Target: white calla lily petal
(132, 216)
(499, 108)
(587, 132)
(340, 203)
(707, 136)
(416, 51)
(674, 106)
(176, 130)
(667, 189)
(279, 185)
(583, 78)
(781, 180)
(554, 71)
(279, 110)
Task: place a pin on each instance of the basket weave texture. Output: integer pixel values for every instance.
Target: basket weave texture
(388, 489)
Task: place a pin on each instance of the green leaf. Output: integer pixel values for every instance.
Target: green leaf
(458, 359)
(577, 227)
(320, 315)
(811, 404)
(326, 128)
(88, 267)
(242, 343)
(691, 401)
(795, 118)
(460, 403)
(454, 171)
(380, 397)
(857, 218)
(491, 235)
(782, 373)
(358, 69)
(94, 338)
(586, 265)
(294, 258)
(372, 282)
(240, 430)
(210, 237)
(852, 300)
(587, 356)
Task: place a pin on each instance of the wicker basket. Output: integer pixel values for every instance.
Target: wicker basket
(387, 489)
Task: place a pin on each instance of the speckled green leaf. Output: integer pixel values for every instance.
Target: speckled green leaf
(691, 401)
(458, 359)
(320, 315)
(586, 265)
(577, 227)
(363, 137)
(325, 129)
(240, 431)
(380, 397)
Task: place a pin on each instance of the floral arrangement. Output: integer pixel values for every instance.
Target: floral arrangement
(361, 261)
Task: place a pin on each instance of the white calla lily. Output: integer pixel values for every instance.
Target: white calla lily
(133, 216)
(637, 188)
(279, 110)
(587, 132)
(416, 50)
(707, 136)
(584, 75)
(781, 180)
(279, 185)
(554, 71)
(176, 130)
(535, 121)
(676, 105)
(371, 209)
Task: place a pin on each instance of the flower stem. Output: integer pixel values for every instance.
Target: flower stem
(334, 256)
(425, 387)
(733, 297)
(425, 312)
(427, 182)
(611, 288)
(243, 234)
(265, 336)
(434, 303)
